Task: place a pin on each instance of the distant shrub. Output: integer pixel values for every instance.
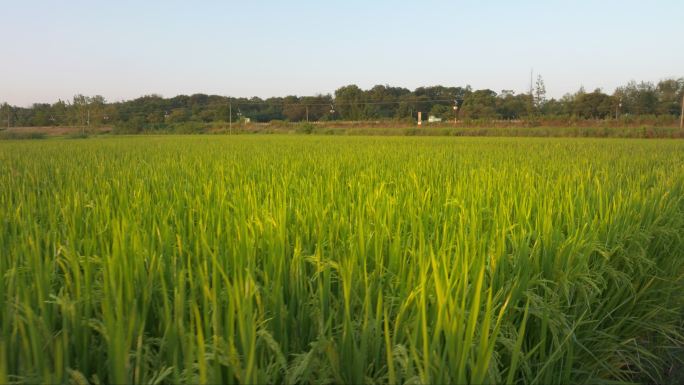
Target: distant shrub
(77, 135)
(18, 135)
(305, 128)
(189, 128)
(128, 127)
(278, 123)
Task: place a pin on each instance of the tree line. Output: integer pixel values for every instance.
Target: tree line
(351, 103)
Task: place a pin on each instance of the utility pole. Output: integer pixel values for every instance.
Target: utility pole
(531, 92)
(307, 114)
(230, 118)
(531, 76)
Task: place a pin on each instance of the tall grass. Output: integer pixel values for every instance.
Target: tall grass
(340, 260)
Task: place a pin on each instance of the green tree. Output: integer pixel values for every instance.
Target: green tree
(79, 110)
(349, 101)
(511, 106)
(441, 111)
(293, 109)
(5, 115)
(594, 105)
(480, 104)
(539, 94)
(638, 98)
(670, 93)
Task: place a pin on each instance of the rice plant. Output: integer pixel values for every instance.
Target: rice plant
(319, 260)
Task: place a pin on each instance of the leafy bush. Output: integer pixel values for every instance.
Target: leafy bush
(77, 135)
(21, 135)
(305, 128)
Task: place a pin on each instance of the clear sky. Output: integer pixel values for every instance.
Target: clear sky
(124, 49)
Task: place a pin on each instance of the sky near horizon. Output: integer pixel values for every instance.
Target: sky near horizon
(53, 50)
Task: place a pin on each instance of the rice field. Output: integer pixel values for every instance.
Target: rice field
(319, 260)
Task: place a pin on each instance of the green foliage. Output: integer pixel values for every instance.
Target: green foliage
(132, 126)
(305, 128)
(349, 99)
(594, 105)
(381, 102)
(188, 128)
(20, 135)
(480, 104)
(318, 260)
(78, 135)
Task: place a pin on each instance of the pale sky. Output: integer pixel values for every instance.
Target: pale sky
(124, 49)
